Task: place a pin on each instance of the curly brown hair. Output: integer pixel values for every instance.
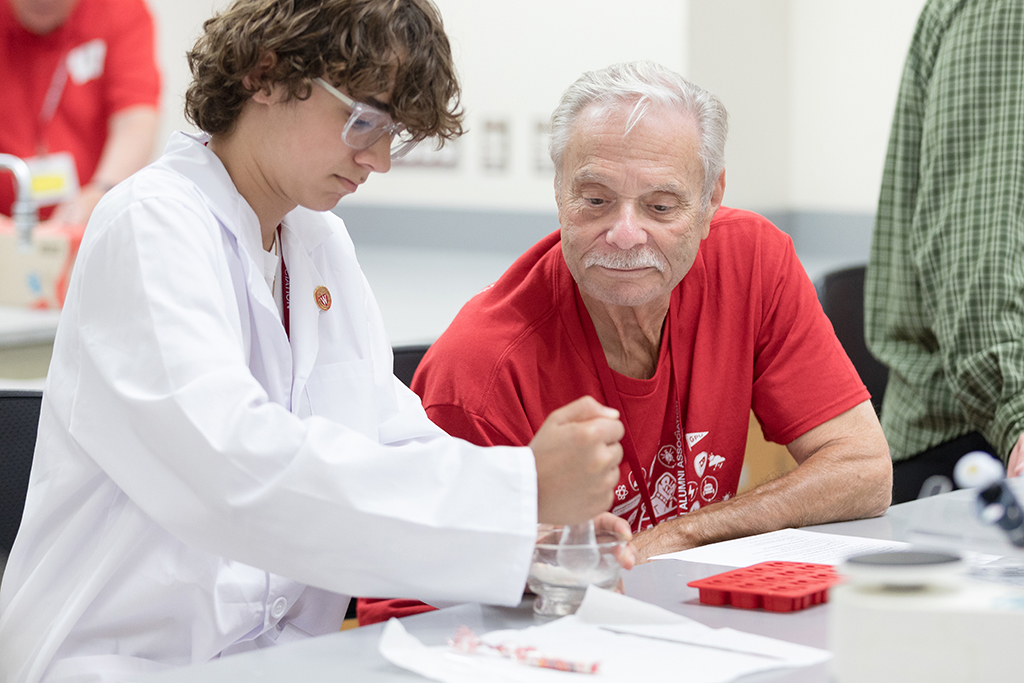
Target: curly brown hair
(366, 47)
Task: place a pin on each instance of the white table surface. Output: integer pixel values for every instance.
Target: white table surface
(420, 290)
(353, 656)
(24, 326)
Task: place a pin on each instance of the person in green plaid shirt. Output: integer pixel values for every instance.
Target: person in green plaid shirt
(944, 296)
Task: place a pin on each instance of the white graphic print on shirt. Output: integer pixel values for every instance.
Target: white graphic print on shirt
(673, 492)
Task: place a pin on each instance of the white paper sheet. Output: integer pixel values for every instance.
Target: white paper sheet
(786, 545)
(630, 640)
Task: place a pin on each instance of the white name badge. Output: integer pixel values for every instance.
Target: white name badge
(85, 62)
(54, 178)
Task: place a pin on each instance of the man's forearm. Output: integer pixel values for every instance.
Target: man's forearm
(129, 147)
(847, 476)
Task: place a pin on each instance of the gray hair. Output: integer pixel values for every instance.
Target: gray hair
(641, 84)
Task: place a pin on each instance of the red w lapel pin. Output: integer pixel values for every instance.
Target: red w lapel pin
(323, 297)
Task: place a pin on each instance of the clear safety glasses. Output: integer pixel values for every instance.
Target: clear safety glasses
(367, 124)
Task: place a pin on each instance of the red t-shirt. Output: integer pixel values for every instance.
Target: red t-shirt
(745, 331)
(118, 32)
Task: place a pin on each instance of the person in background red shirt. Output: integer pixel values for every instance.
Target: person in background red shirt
(80, 95)
(680, 313)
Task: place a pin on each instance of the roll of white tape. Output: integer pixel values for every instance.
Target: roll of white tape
(956, 630)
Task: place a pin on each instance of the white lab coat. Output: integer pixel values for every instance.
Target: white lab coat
(190, 457)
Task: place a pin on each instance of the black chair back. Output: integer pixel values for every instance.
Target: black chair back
(19, 421)
(407, 358)
(841, 294)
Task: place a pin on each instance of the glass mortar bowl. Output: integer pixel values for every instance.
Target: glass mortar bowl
(560, 589)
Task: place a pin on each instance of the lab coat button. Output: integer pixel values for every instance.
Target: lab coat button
(279, 607)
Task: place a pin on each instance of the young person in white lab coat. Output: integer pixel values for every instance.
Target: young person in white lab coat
(224, 455)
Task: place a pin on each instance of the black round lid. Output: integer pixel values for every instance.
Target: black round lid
(909, 558)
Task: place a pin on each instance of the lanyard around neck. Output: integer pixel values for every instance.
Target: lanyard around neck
(285, 317)
(611, 394)
(50, 102)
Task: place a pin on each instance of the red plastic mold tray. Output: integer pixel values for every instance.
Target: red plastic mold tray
(774, 586)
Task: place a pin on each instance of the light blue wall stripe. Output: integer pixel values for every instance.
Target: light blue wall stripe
(462, 229)
(823, 239)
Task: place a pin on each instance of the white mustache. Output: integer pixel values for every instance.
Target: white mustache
(638, 257)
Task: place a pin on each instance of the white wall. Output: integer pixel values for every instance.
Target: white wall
(178, 25)
(739, 50)
(515, 59)
(810, 86)
(846, 61)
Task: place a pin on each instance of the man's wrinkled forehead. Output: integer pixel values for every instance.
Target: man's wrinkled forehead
(619, 117)
(601, 145)
(587, 175)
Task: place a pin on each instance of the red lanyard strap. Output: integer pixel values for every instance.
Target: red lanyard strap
(50, 102)
(285, 318)
(611, 394)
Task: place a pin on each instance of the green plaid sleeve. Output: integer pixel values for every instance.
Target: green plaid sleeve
(945, 290)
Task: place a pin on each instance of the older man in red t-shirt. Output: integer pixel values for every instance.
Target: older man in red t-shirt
(680, 313)
(80, 98)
